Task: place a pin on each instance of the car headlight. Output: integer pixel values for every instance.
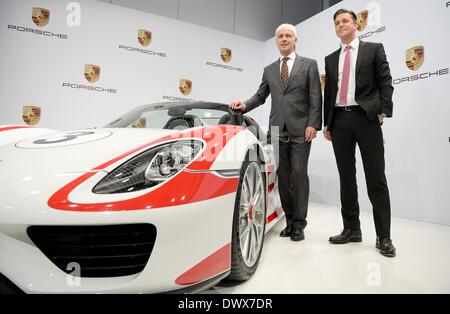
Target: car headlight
(150, 168)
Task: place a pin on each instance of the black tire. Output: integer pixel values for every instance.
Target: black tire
(240, 271)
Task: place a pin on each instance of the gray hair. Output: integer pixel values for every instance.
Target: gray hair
(288, 26)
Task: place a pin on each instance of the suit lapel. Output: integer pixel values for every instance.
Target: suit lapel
(359, 58)
(295, 68)
(334, 63)
(276, 72)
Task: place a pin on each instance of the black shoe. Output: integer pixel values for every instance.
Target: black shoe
(297, 234)
(348, 235)
(286, 232)
(386, 247)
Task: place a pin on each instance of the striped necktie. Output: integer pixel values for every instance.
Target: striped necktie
(284, 72)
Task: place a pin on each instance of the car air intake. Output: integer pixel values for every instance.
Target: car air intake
(100, 251)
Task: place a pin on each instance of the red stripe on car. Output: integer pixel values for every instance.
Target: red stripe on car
(14, 127)
(215, 264)
(184, 188)
(273, 216)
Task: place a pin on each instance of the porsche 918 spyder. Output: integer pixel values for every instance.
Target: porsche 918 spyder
(168, 197)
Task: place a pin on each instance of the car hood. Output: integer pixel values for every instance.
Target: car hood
(32, 170)
(75, 151)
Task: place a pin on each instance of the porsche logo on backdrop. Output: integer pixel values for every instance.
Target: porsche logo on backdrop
(92, 75)
(91, 72)
(362, 20)
(414, 57)
(225, 54)
(40, 16)
(144, 37)
(139, 123)
(185, 87)
(31, 114)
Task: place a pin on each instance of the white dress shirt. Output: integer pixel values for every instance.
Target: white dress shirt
(290, 62)
(354, 46)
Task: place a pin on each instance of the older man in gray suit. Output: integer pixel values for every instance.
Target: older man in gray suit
(294, 85)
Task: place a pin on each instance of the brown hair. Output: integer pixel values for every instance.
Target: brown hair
(341, 11)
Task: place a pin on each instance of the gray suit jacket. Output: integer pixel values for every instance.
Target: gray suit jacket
(297, 107)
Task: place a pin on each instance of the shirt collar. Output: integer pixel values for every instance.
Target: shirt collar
(291, 56)
(354, 44)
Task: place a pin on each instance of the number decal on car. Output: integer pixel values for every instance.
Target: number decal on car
(62, 138)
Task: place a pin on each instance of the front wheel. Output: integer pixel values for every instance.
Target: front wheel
(249, 221)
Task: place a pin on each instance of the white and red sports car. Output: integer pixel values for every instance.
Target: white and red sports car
(169, 197)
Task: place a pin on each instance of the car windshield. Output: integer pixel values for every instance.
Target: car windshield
(173, 116)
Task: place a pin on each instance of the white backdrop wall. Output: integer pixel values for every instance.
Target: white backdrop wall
(417, 137)
(35, 66)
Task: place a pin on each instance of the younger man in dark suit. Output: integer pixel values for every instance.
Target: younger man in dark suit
(357, 98)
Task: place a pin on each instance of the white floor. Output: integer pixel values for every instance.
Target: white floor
(422, 264)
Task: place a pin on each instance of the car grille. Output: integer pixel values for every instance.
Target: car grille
(100, 251)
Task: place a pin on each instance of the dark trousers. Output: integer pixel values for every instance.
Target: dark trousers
(349, 129)
(293, 181)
